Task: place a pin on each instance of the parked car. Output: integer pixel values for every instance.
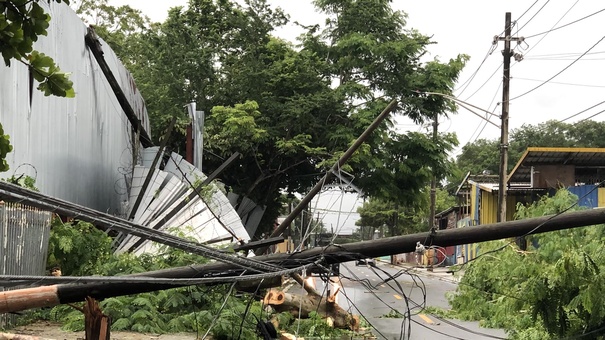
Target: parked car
(367, 261)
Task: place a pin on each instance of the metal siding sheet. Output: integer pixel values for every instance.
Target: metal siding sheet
(78, 149)
(198, 219)
(489, 208)
(587, 195)
(601, 197)
(24, 235)
(474, 202)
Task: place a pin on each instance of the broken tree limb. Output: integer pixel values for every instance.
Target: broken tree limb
(302, 306)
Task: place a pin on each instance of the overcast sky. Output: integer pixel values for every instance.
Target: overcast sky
(468, 27)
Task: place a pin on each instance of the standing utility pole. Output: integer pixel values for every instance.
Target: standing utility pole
(506, 53)
(433, 181)
(433, 193)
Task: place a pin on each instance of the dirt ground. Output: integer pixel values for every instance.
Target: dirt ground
(51, 330)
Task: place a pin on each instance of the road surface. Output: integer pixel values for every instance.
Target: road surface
(365, 292)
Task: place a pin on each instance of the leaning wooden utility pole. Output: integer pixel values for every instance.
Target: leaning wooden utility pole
(46, 296)
(330, 174)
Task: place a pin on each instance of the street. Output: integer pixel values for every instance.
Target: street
(383, 304)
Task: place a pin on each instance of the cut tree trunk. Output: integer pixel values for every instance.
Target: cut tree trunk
(302, 306)
(95, 322)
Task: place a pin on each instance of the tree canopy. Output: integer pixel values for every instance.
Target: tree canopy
(400, 220)
(291, 110)
(484, 154)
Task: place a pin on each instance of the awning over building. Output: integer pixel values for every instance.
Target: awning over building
(560, 156)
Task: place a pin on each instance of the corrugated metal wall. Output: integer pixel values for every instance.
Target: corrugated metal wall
(77, 149)
(484, 210)
(489, 207)
(587, 195)
(601, 197)
(474, 202)
(24, 234)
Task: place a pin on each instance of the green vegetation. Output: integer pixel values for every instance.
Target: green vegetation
(21, 23)
(552, 290)
(399, 219)
(79, 249)
(484, 154)
(290, 111)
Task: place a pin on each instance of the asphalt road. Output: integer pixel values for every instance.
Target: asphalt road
(365, 293)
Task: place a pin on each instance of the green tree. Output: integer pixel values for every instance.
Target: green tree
(290, 121)
(400, 220)
(479, 156)
(21, 23)
(553, 290)
(484, 154)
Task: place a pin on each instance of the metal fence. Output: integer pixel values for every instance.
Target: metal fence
(24, 235)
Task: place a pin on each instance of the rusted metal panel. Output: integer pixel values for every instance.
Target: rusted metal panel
(24, 235)
(78, 149)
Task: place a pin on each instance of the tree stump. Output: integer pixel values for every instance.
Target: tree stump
(95, 322)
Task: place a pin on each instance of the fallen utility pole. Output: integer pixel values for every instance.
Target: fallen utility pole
(11, 192)
(22, 299)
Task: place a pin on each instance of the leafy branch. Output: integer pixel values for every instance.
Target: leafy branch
(21, 23)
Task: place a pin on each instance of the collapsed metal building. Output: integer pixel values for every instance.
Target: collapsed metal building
(84, 149)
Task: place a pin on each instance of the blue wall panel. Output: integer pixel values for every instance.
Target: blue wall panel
(587, 195)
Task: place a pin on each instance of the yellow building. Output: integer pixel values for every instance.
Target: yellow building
(539, 171)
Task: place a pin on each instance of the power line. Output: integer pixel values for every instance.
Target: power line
(562, 59)
(533, 16)
(558, 73)
(569, 54)
(560, 83)
(555, 24)
(583, 335)
(490, 104)
(576, 114)
(485, 82)
(35, 199)
(527, 10)
(468, 81)
(594, 115)
(42, 280)
(489, 52)
(568, 24)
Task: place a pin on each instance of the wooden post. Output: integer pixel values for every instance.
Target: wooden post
(96, 323)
